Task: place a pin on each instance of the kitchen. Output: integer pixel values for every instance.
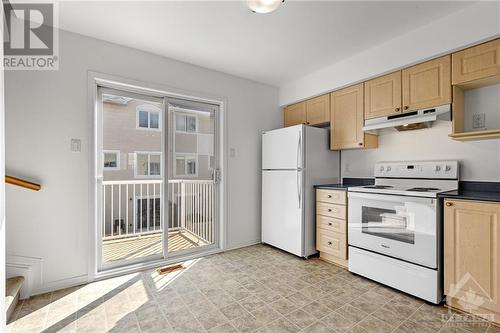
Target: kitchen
(429, 227)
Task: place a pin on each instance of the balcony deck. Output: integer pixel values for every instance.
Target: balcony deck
(146, 245)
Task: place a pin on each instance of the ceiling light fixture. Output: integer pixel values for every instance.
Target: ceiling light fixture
(264, 6)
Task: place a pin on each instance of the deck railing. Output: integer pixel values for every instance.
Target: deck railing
(134, 208)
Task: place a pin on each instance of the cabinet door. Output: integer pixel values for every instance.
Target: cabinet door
(295, 114)
(471, 253)
(476, 63)
(318, 110)
(346, 118)
(427, 85)
(383, 96)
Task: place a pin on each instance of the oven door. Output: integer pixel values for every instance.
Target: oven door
(402, 227)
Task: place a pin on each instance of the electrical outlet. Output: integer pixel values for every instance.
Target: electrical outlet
(76, 145)
(479, 120)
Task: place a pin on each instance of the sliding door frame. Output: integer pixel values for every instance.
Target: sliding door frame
(96, 80)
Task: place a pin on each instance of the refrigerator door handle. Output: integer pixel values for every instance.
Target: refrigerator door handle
(299, 186)
(299, 151)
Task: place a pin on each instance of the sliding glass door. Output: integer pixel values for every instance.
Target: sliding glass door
(156, 177)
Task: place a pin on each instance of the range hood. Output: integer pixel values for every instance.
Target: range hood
(410, 120)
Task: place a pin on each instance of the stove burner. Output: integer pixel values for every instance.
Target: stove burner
(423, 189)
(378, 186)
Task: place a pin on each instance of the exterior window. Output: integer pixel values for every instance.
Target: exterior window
(111, 159)
(148, 164)
(186, 165)
(148, 117)
(185, 123)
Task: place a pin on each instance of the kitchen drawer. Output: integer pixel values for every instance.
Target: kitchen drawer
(331, 196)
(331, 224)
(331, 210)
(332, 243)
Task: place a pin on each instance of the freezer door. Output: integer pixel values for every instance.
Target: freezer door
(283, 148)
(282, 210)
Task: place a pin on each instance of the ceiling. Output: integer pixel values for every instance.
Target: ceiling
(298, 38)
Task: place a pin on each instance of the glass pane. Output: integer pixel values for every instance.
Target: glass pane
(191, 167)
(110, 160)
(154, 120)
(387, 223)
(191, 124)
(142, 165)
(180, 166)
(132, 202)
(180, 123)
(143, 119)
(154, 163)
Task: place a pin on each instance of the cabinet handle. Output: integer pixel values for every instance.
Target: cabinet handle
(449, 204)
(330, 224)
(329, 210)
(406, 107)
(307, 123)
(397, 109)
(360, 143)
(329, 243)
(329, 195)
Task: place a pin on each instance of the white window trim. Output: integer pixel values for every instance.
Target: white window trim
(147, 108)
(186, 155)
(186, 114)
(117, 154)
(149, 153)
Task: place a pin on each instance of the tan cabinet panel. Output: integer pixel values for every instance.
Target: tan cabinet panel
(476, 63)
(318, 110)
(472, 256)
(427, 84)
(331, 224)
(383, 96)
(331, 210)
(295, 114)
(332, 243)
(347, 118)
(331, 196)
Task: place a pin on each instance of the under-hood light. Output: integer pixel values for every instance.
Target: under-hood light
(264, 6)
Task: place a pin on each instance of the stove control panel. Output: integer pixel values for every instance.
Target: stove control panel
(418, 169)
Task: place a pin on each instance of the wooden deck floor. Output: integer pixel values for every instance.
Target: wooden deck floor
(143, 246)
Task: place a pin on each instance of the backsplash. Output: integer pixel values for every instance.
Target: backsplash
(480, 160)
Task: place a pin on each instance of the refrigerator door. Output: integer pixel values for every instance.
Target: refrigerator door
(282, 148)
(282, 210)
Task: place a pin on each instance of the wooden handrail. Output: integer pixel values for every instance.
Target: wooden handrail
(22, 183)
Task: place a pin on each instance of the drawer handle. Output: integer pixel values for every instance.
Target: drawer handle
(329, 243)
(329, 209)
(329, 196)
(449, 204)
(406, 107)
(330, 224)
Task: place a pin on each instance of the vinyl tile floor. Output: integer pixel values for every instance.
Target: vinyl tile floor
(252, 289)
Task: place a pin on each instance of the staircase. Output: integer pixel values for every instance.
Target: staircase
(12, 290)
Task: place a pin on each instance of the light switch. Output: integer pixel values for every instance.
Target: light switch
(76, 145)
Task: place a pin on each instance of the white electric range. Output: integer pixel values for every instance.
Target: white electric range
(395, 226)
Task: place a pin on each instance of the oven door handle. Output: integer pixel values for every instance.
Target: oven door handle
(391, 198)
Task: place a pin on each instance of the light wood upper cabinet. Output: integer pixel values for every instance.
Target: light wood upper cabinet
(295, 114)
(318, 110)
(383, 96)
(346, 120)
(472, 256)
(476, 63)
(427, 85)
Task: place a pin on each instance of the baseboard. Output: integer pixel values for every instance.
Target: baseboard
(61, 284)
(28, 267)
(243, 244)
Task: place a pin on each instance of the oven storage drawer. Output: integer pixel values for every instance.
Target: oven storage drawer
(331, 224)
(332, 243)
(331, 210)
(331, 196)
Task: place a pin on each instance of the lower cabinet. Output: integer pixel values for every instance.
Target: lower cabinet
(331, 225)
(472, 257)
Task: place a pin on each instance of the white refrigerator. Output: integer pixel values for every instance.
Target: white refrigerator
(294, 159)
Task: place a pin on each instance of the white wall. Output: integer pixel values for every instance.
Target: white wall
(45, 109)
(484, 100)
(471, 25)
(480, 160)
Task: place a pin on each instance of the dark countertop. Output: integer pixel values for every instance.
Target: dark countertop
(482, 191)
(346, 183)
